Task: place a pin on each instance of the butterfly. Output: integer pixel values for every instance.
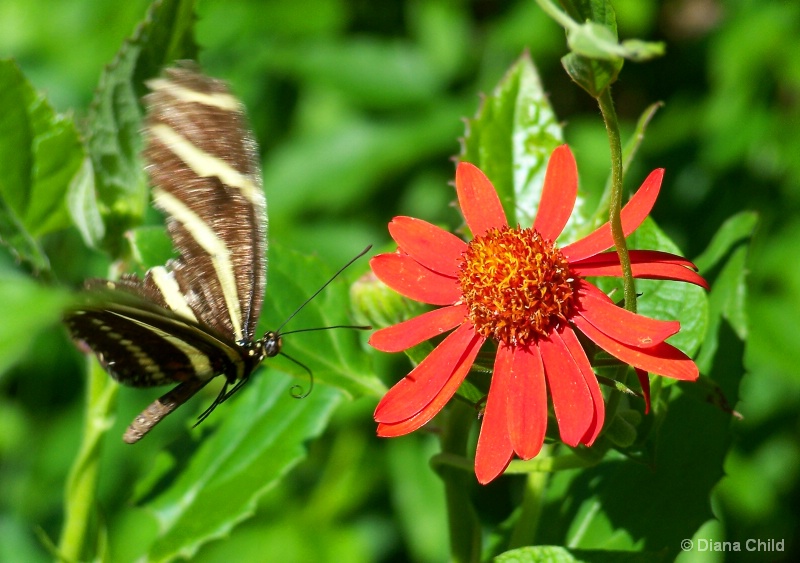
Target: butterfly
(193, 318)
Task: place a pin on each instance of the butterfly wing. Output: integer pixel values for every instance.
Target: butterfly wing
(142, 345)
(203, 164)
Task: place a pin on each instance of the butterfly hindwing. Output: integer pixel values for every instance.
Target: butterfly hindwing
(142, 345)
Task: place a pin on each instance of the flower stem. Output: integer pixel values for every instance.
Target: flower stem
(81, 486)
(612, 129)
(465, 530)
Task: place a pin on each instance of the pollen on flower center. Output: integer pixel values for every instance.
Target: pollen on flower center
(516, 285)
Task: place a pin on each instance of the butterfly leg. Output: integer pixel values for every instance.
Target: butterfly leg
(160, 408)
(224, 395)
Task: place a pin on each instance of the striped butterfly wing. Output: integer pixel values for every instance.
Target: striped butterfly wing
(144, 345)
(203, 165)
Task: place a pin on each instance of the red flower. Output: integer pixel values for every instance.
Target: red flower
(518, 288)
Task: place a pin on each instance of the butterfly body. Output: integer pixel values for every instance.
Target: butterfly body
(194, 318)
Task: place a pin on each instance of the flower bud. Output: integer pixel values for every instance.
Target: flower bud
(376, 304)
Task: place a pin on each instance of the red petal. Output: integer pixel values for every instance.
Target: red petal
(429, 245)
(579, 355)
(527, 398)
(478, 200)
(408, 277)
(494, 451)
(558, 195)
(650, 271)
(572, 400)
(390, 430)
(414, 392)
(644, 382)
(402, 428)
(661, 359)
(629, 328)
(637, 257)
(409, 333)
(634, 212)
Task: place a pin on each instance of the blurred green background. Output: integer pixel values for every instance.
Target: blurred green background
(358, 107)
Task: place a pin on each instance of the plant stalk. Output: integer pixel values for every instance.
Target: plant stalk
(614, 213)
(81, 487)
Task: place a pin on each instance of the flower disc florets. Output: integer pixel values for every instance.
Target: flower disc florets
(516, 285)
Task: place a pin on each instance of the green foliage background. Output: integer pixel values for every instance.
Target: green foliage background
(358, 107)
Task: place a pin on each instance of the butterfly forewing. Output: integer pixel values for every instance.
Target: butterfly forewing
(203, 164)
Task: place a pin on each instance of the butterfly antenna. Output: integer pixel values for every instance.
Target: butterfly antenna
(333, 277)
(297, 390)
(358, 327)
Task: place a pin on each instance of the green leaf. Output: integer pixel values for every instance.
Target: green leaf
(592, 75)
(150, 246)
(632, 145)
(16, 136)
(335, 357)
(83, 205)
(638, 50)
(596, 41)
(40, 157)
(57, 157)
(28, 308)
(728, 299)
(511, 138)
(733, 231)
(22, 245)
(558, 554)
(258, 441)
(114, 121)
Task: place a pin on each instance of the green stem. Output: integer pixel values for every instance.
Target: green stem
(615, 396)
(81, 486)
(554, 12)
(615, 219)
(465, 529)
(524, 532)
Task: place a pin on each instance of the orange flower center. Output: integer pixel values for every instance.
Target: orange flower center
(516, 285)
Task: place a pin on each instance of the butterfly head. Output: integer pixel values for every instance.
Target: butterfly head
(269, 345)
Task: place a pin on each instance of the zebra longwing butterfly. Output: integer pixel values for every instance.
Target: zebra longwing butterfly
(195, 317)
